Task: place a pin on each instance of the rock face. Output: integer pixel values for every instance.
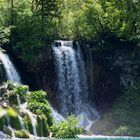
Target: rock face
(113, 69)
(2, 73)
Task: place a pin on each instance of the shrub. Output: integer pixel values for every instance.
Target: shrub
(67, 128)
(39, 105)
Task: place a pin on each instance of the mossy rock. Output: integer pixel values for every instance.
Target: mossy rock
(14, 119)
(21, 134)
(7, 131)
(28, 124)
(3, 118)
(39, 126)
(42, 126)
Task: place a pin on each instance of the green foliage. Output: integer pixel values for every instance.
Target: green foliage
(14, 119)
(39, 105)
(67, 128)
(28, 124)
(11, 115)
(12, 91)
(36, 23)
(93, 19)
(42, 126)
(4, 34)
(38, 96)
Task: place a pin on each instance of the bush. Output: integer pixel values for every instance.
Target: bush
(67, 128)
(39, 105)
(38, 96)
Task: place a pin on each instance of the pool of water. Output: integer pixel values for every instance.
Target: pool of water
(88, 138)
(106, 138)
(84, 138)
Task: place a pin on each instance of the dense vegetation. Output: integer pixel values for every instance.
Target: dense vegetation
(30, 25)
(14, 120)
(67, 128)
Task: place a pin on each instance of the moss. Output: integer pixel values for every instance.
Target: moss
(28, 124)
(9, 116)
(21, 134)
(14, 119)
(3, 118)
(46, 128)
(42, 126)
(39, 126)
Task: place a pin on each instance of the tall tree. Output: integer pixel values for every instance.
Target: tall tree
(46, 9)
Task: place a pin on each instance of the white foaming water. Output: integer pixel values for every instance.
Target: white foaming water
(20, 118)
(57, 117)
(72, 83)
(11, 72)
(32, 117)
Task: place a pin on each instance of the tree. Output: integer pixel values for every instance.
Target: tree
(46, 8)
(12, 12)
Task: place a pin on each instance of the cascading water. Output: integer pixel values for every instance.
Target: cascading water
(11, 71)
(72, 83)
(13, 75)
(32, 117)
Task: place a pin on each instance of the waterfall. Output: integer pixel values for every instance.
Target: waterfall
(72, 87)
(10, 69)
(13, 75)
(57, 117)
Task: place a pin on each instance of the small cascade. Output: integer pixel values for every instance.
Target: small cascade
(9, 126)
(20, 118)
(10, 69)
(72, 87)
(21, 123)
(57, 117)
(14, 76)
(32, 117)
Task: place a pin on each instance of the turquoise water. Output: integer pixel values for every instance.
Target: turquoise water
(106, 138)
(89, 138)
(102, 138)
